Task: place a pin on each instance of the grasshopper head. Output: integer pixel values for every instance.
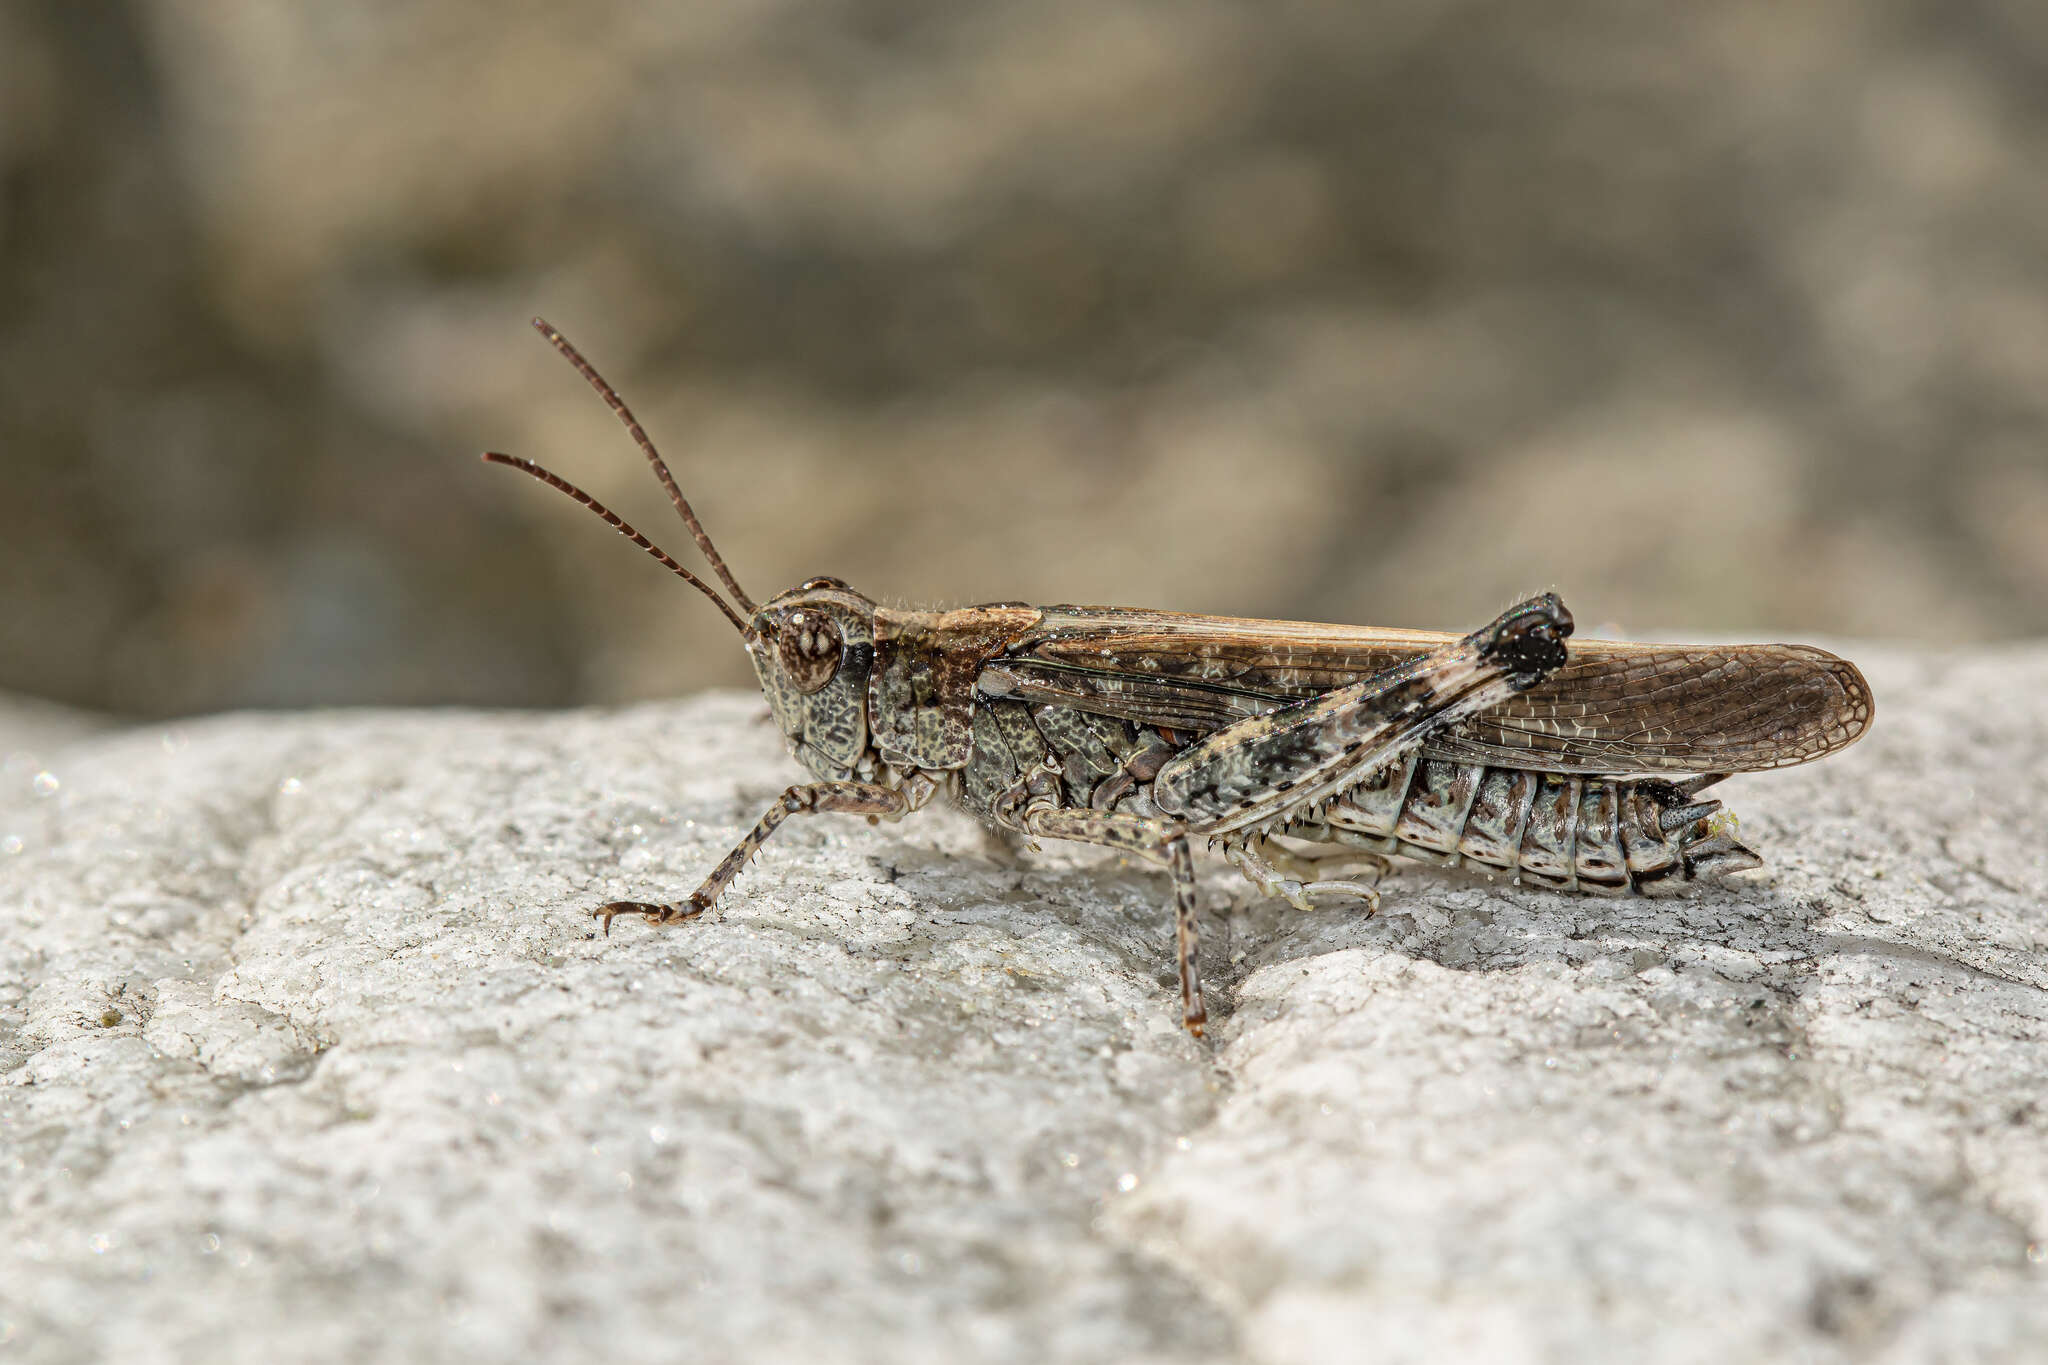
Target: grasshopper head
(813, 648)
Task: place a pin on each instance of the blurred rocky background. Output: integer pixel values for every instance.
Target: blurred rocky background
(1730, 318)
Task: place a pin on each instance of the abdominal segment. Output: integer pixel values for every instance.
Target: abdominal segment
(1569, 833)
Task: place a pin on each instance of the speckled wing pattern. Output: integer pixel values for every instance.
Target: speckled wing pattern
(1615, 708)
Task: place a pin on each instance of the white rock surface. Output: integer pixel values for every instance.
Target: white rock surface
(307, 1052)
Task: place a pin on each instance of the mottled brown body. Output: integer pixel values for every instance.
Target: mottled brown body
(1152, 732)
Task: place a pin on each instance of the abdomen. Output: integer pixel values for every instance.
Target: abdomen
(1604, 835)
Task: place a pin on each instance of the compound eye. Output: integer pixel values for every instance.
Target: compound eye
(808, 649)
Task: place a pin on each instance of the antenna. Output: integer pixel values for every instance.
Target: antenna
(639, 433)
(560, 484)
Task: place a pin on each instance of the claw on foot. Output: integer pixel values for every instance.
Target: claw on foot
(658, 914)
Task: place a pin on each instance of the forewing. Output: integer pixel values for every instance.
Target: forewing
(1615, 707)
(1628, 708)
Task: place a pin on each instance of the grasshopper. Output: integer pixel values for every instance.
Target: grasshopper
(1147, 731)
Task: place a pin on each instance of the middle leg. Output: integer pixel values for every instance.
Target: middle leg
(1153, 839)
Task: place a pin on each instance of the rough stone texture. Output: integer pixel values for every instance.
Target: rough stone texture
(306, 1051)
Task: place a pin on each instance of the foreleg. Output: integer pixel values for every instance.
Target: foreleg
(845, 798)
